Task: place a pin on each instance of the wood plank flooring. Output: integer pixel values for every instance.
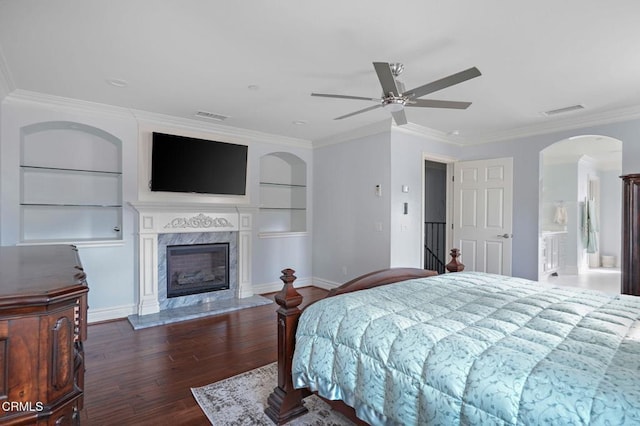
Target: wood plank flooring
(145, 377)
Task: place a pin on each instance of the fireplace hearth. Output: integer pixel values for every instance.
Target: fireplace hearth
(197, 268)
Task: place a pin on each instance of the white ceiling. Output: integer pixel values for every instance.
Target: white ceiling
(602, 152)
(258, 61)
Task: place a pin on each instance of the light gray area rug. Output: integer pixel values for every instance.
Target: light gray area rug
(241, 400)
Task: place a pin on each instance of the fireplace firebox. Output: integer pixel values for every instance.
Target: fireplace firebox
(197, 268)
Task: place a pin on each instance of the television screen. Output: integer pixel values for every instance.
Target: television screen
(182, 164)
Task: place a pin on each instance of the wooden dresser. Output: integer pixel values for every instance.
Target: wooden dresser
(43, 305)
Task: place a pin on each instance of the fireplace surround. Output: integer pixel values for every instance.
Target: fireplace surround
(162, 225)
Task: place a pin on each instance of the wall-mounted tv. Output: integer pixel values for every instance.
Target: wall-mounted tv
(183, 164)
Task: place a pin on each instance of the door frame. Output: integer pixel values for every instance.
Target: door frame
(449, 161)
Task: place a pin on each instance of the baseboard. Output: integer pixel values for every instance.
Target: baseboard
(277, 285)
(106, 314)
(117, 312)
(324, 284)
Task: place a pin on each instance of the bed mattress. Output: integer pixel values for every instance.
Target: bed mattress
(474, 348)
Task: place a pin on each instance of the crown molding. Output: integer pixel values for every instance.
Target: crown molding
(576, 122)
(421, 131)
(77, 105)
(387, 126)
(95, 108)
(145, 117)
(361, 132)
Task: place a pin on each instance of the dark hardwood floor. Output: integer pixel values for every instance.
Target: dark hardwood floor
(145, 377)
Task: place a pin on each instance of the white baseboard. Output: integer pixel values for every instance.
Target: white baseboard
(117, 312)
(277, 285)
(106, 314)
(324, 284)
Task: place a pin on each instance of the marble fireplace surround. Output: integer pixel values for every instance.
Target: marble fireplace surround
(155, 219)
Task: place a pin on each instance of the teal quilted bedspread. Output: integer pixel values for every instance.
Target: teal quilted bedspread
(475, 349)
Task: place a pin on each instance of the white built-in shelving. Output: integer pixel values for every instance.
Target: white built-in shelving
(283, 195)
(71, 184)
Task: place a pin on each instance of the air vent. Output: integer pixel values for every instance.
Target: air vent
(211, 116)
(563, 110)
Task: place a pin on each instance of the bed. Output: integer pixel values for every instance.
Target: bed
(413, 347)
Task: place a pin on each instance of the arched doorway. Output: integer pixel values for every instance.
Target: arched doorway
(580, 212)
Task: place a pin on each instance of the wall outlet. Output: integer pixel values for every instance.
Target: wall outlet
(344, 270)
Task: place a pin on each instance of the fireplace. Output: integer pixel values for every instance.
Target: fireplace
(197, 268)
(161, 225)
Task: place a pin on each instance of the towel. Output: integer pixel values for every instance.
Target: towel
(561, 215)
(589, 227)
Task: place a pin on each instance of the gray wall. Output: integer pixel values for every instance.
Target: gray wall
(526, 163)
(610, 209)
(350, 222)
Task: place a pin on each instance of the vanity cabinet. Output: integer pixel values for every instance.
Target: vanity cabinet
(43, 305)
(552, 248)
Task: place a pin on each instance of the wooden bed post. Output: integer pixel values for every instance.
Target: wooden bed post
(285, 402)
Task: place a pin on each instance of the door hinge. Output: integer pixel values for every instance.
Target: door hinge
(453, 178)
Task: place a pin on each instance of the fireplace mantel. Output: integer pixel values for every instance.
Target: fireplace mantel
(162, 218)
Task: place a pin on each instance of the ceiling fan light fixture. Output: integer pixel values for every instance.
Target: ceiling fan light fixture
(394, 104)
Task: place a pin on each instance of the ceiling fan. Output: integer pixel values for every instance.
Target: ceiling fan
(395, 98)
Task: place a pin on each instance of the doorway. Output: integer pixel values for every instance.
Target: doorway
(435, 216)
(580, 210)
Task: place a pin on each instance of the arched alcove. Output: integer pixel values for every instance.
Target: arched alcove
(283, 193)
(577, 175)
(70, 183)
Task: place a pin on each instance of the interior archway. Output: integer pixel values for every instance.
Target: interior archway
(580, 212)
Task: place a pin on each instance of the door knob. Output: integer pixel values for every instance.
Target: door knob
(505, 236)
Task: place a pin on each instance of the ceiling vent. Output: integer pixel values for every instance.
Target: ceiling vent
(211, 116)
(563, 110)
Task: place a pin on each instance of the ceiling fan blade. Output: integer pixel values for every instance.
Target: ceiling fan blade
(325, 95)
(443, 83)
(399, 117)
(387, 81)
(433, 103)
(358, 112)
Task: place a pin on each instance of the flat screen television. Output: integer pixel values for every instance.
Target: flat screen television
(183, 164)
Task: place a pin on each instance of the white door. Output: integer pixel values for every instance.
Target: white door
(482, 223)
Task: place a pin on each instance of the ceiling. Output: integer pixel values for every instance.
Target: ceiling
(257, 62)
(602, 152)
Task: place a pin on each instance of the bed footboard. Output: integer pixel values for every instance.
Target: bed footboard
(285, 402)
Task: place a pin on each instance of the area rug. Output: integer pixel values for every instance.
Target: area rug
(241, 400)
